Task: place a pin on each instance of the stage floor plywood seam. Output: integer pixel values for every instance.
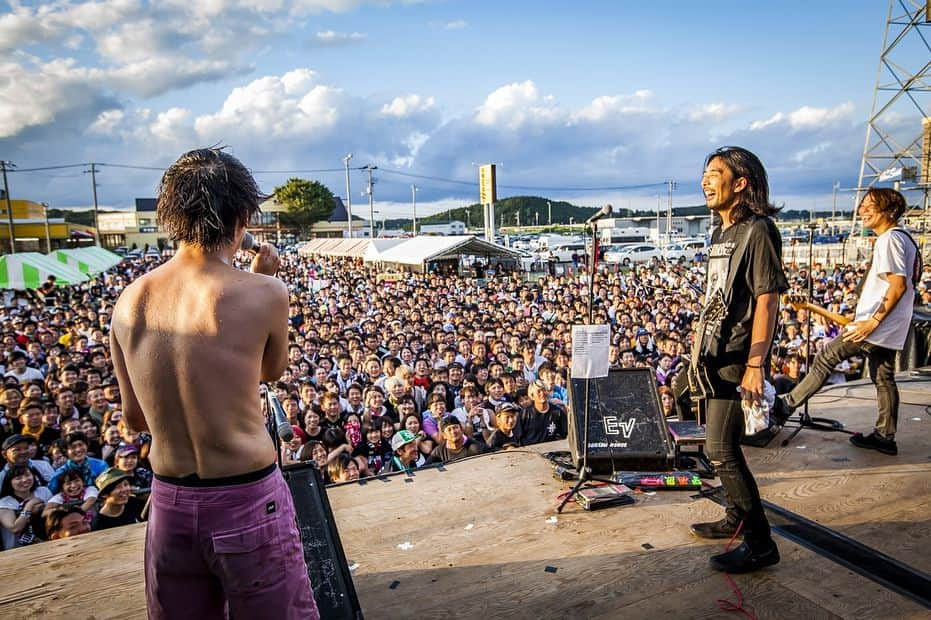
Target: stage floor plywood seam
(832, 545)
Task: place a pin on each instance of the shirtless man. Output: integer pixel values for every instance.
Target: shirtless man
(191, 340)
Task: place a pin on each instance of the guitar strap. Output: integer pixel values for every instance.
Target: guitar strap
(737, 256)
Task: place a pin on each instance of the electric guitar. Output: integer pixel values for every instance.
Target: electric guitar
(700, 384)
(800, 302)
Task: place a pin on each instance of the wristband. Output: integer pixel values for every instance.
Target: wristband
(26, 513)
(758, 366)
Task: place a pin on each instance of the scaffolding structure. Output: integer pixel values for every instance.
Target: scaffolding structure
(898, 134)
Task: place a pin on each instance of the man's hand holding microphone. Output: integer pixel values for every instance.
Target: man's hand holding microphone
(265, 258)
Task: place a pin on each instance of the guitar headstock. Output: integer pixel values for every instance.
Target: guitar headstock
(798, 302)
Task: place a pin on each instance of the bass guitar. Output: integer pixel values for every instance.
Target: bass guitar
(701, 387)
(800, 302)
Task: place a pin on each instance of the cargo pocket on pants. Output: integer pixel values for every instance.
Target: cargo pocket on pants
(250, 560)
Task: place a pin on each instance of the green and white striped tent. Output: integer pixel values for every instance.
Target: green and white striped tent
(89, 260)
(31, 270)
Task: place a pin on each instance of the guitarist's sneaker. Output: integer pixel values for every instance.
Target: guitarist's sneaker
(745, 559)
(874, 441)
(781, 410)
(714, 529)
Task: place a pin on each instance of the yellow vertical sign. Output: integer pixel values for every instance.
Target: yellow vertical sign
(487, 189)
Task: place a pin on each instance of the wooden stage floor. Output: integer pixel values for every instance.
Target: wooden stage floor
(479, 539)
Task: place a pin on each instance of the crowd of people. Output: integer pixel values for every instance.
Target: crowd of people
(382, 376)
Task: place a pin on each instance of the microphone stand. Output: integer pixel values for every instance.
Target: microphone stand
(585, 473)
(805, 420)
(271, 425)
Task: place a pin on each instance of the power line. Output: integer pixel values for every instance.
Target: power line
(524, 187)
(426, 177)
(61, 167)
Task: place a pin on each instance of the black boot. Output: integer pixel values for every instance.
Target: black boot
(745, 559)
(714, 529)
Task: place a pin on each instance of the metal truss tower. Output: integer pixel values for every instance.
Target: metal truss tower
(898, 134)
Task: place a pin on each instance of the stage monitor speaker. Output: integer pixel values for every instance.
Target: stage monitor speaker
(626, 427)
(323, 552)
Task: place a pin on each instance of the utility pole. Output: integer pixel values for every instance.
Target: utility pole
(549, 213)
(93, 173)
(834, 203)
(48, 239)
(346, 161)
(659, 207)
(414, 210)
(368, 190)
(671, 185)
(9, 205)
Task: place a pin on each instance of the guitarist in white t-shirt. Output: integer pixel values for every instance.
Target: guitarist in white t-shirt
(882, 319)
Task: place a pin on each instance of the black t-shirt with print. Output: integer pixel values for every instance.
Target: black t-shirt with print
(535, 427)
(759, 271)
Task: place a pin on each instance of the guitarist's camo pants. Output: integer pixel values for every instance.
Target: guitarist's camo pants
(881, 367)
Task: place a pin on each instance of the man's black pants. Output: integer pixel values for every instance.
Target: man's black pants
(723, 431)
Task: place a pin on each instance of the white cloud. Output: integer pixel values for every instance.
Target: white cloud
(106, 122)
(807, 117)
(272, 107)
(517, 104)
(329, 38)
(714, 112)
(458, 24)
(605, 107)
(407, 105)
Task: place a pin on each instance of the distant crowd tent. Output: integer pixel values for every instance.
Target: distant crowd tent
(417, 253)
(90, 260)
(353, 248)
(413, 254)
(30, 270)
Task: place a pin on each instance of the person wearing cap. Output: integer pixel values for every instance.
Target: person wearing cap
(506, 420)
(118, 505)
(16, 451)
(126, 458)
(405, 455)
(456, 445)
(190, 341)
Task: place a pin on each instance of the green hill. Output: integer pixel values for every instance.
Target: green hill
(533, 210)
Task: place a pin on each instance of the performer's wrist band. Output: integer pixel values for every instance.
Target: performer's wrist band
(754, 366)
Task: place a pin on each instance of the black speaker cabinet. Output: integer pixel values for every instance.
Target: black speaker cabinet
(626, 427)
(323, 552)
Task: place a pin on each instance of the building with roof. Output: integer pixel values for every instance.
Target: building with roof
(137, 228)
(34, 231)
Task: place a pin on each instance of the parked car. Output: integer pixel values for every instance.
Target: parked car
(683, 251)
(632, 254)
(563, 253)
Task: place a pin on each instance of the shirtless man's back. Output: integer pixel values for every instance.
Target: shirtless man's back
(191, 341)
(195, 336)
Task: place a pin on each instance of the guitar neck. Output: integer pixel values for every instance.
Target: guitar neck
(833, 316)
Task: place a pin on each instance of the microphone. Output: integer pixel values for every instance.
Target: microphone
(250, 244)
(604, 211)
(282, 426)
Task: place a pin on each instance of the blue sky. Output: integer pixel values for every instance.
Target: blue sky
(562, 95)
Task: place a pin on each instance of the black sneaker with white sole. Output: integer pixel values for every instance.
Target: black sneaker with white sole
(874, 441)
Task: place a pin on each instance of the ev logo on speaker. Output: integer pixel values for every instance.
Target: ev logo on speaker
(613, 426)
